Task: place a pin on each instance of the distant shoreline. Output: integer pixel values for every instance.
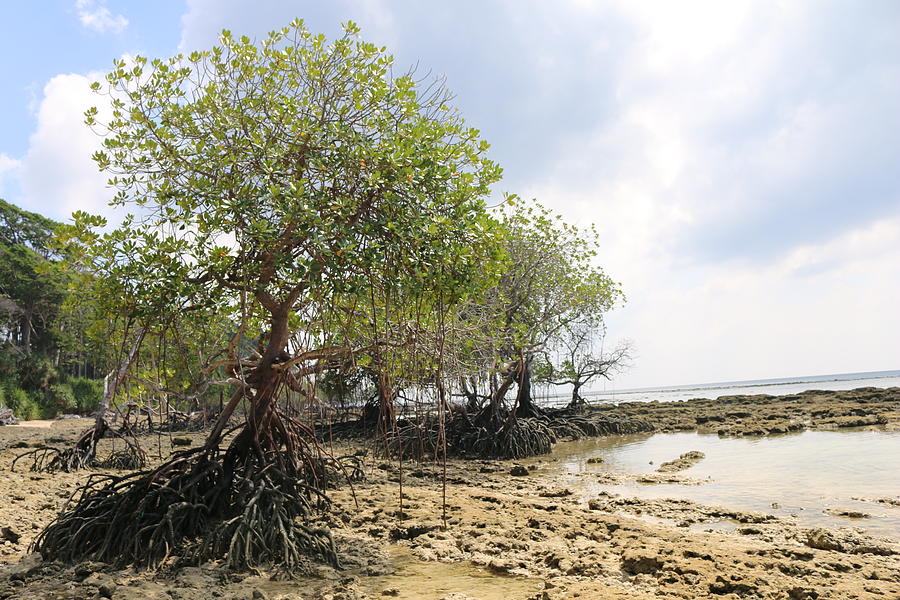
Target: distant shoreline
(773, 387)
(832, 377)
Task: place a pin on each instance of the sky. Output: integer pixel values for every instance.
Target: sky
(741, 160)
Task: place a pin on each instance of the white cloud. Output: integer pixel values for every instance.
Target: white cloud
(94, 15)
(825, 308)
(57, 174)
(8, 169)
(742, 187)
(9, 177)
(709, 141)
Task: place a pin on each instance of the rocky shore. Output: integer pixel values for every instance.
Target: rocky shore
(771, 415)
(510, 531)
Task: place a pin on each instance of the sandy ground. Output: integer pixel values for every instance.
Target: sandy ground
(37, 424)
(507, 536)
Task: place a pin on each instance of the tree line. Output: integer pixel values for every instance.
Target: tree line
(49, 359)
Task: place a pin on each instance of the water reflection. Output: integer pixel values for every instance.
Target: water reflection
(799, 474)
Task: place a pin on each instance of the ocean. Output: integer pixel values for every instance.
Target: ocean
(772, 387)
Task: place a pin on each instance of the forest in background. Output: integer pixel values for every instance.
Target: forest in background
(50, 360)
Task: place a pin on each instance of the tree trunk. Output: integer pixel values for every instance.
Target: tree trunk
(26, 333)
(526, 406)
(118, 376)
(577, 401)
(263, 379)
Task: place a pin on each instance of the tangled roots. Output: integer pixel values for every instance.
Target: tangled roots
(413, 440)
(522, 437)
(47, 459)
(332, 471)
(252, 505)
(483, 435)
(131, 458)
(568, 428)
(517, 439)
(576, 422)
(83, 454)
(263, 529)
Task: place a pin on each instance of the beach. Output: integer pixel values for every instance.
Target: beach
(593, 519)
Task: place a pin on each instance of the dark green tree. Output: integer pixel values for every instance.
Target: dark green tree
(31, 289)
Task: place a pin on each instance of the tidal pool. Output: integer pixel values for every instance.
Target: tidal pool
(800, 474)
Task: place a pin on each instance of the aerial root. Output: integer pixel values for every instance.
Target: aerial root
(484, 436)
(252, 505)
(334, 470)
(504, 438)
(594, 425)
(83, 454)
(264, 529)
(413, 440)
(41, 460)
(481, 434)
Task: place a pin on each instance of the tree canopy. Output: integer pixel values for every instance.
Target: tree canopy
(287, 178)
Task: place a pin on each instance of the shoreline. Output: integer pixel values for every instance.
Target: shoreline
(762, 414)
(512, 536)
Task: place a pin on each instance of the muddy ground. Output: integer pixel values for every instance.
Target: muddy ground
(505, 536)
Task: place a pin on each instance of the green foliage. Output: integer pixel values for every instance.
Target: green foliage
(295, 186)
(21, 227)
(35, 288)
(548, 281)
(60, 399)
(9, 365)
(552, 279)
(22, 404)
(87, 393)
(37, 373)
(31, 288)
(33, 387)
(49, 396)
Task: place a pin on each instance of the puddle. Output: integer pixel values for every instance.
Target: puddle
(799, 475)
(417, 579)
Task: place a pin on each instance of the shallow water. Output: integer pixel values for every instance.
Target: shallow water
(433, 580)
(803, 473)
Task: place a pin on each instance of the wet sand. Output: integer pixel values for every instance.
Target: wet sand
(510, 537)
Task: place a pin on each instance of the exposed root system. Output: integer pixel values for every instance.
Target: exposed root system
(83, 454)
(484, 435)
(252, 505)
(508, 438)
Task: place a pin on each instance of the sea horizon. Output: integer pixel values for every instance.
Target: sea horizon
(774, 386)
(852, 376)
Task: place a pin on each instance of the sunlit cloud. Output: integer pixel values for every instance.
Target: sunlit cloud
(94, 15)
(57, 173)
